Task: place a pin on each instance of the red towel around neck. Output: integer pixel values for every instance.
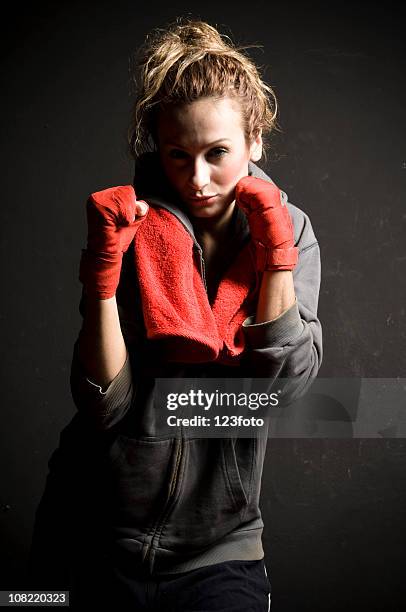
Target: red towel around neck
(175, 303)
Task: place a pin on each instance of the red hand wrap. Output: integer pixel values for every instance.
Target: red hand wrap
(111, 228)
(269, 221)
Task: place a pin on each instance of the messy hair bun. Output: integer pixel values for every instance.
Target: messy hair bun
(189, 60)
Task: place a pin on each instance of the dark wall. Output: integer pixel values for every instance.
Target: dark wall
(334, 535)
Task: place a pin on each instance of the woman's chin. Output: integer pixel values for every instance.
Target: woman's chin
(210, 210)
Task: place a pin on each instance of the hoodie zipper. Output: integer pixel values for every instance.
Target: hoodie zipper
(202, 266)
(155, 533)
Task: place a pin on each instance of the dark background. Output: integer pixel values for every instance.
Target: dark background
(333, 509)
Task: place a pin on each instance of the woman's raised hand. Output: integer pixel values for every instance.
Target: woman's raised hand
(113, 218)
(269, 221)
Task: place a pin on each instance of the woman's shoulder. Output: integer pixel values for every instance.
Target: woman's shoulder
(303, 230)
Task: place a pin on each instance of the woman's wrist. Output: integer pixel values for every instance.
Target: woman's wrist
(276, 295)
(102, 350)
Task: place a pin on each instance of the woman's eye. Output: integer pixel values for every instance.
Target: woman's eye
(177, 154)
(218, 152)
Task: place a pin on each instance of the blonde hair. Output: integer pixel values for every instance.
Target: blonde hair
(189, 60)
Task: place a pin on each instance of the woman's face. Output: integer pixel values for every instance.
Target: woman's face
(204, 153)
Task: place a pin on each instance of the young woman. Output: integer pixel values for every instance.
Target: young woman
(200, 269)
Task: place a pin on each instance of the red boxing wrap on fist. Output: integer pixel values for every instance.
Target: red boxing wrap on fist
(269, 221)
(113, 217)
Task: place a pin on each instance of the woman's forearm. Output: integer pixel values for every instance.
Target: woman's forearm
(276, 295)
(101, 347)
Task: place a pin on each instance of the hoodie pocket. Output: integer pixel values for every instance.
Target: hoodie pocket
(239, 464)
(213, 494)
(138, 478)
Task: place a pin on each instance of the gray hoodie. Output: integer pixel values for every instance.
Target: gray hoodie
(175, 503)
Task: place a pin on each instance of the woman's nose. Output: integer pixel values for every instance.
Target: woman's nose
(200, 175)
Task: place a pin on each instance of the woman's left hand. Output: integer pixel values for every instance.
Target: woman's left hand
(270, 224)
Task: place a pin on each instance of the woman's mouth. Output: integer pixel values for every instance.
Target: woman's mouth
(204, 199)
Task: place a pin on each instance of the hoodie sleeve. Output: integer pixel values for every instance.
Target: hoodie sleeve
(105, 406)
(290, 346)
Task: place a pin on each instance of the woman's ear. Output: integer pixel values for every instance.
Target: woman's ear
(256, 147)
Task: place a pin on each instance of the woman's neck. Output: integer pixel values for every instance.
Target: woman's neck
(213, 228)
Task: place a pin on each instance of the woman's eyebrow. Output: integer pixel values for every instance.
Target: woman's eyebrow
(175, 144)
